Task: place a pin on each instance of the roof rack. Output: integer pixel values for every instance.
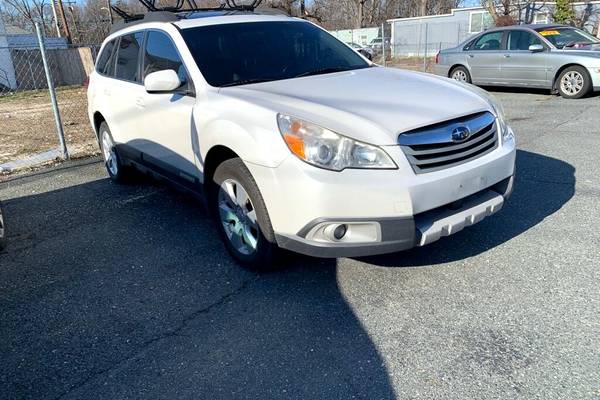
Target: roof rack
(170, 14)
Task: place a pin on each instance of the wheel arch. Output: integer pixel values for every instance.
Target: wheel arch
(98, 119)
(456, 65)
(214, 157)
(560, 71)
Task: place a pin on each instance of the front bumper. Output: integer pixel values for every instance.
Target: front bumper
(399, 234)
(595, 75)
(407, 209)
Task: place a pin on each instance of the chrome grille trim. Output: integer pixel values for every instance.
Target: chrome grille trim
(431, 148)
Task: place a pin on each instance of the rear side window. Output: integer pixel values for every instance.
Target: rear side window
(128, 57)
(160, 54)
(521, 40)
(104, 66)
(489, 41)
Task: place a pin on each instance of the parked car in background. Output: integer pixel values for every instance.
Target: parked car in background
(2, 229)
(365, 51)
(377, 44)
(296, 141)
(556, 57)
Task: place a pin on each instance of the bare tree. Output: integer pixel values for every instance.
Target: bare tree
(24, 13)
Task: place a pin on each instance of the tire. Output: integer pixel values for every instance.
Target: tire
(574, 83)
(2, 230)
(241, 216)
(117, 171)
(460, 74)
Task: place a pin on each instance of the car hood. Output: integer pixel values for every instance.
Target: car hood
(372, 105)
(585, 49)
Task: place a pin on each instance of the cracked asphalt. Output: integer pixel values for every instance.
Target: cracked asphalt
(125, 292)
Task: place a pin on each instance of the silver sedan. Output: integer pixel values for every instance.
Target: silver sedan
(556, 57)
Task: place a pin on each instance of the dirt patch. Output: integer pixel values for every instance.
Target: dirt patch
(28, 127)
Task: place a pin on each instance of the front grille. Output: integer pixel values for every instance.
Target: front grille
(432, 148)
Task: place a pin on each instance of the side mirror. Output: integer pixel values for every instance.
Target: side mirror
(162, 81)
(536, 48)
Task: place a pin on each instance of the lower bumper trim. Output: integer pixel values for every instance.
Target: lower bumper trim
(404, 233)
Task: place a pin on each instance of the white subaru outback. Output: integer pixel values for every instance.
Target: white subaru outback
(294, 139)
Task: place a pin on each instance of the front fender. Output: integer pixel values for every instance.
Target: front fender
(258, 144)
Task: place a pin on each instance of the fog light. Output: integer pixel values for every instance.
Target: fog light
(340, 232)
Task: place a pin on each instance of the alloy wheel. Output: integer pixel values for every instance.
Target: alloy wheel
(459, 75)
(572, 83)
(109, 154)
(238, 216)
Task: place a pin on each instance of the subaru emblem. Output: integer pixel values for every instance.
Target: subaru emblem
(460, 134)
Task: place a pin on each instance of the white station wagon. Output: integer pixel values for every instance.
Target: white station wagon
(295, 140)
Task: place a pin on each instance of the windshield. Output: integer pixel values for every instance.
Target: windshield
(243, 53)
(567, 37)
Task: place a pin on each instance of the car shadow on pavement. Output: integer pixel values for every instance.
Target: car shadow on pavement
(543, 185)
(111, 291)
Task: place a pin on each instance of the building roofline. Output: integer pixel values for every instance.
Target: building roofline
(481, 8)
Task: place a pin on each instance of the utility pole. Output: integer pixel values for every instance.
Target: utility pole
(63, 18)
(110, 14)
(53, 5)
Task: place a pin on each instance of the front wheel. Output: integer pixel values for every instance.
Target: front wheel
(461, 74)
(241, 216)
(574, 83)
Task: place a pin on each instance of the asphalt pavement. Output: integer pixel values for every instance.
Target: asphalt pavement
(126, 292)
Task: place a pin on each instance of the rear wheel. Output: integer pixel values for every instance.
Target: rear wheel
(114, 166)
(574, 83)
(460, 74)
(241, 216)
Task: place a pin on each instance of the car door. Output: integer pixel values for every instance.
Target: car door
(167, 117)
(521, 67)
(125, 87)
(484, 58)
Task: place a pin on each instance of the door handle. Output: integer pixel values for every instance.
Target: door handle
(140, 102)
(507, 56)
(471, 55)
(106, 92)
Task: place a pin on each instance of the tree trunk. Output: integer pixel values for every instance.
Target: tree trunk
(422, 8)
(360, 16)
(63, 17)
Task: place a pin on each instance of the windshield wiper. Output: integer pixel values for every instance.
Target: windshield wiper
(321, 71)
(247, 82)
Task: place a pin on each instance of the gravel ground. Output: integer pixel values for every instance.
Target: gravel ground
(125, 292)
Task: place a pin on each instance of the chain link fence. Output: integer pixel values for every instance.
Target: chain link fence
(406, 44)
(43, 102)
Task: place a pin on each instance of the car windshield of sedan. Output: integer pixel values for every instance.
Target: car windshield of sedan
(567, 37)
(243, 53)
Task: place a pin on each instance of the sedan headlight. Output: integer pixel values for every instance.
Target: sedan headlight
(326, 149)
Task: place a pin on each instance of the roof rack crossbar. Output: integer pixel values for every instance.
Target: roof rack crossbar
(125, 15)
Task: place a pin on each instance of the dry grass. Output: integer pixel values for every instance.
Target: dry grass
(27, 123)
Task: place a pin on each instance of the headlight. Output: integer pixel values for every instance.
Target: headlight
(326, 149)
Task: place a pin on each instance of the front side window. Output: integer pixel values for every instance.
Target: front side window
(242, 53)
(488, 41)
(568, 37)
(104, 65)
(128, 57)
(160, 54)
(521, 40)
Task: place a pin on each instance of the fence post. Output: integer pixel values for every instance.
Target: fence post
(57, 120)
(383, 43)
(425, 52)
